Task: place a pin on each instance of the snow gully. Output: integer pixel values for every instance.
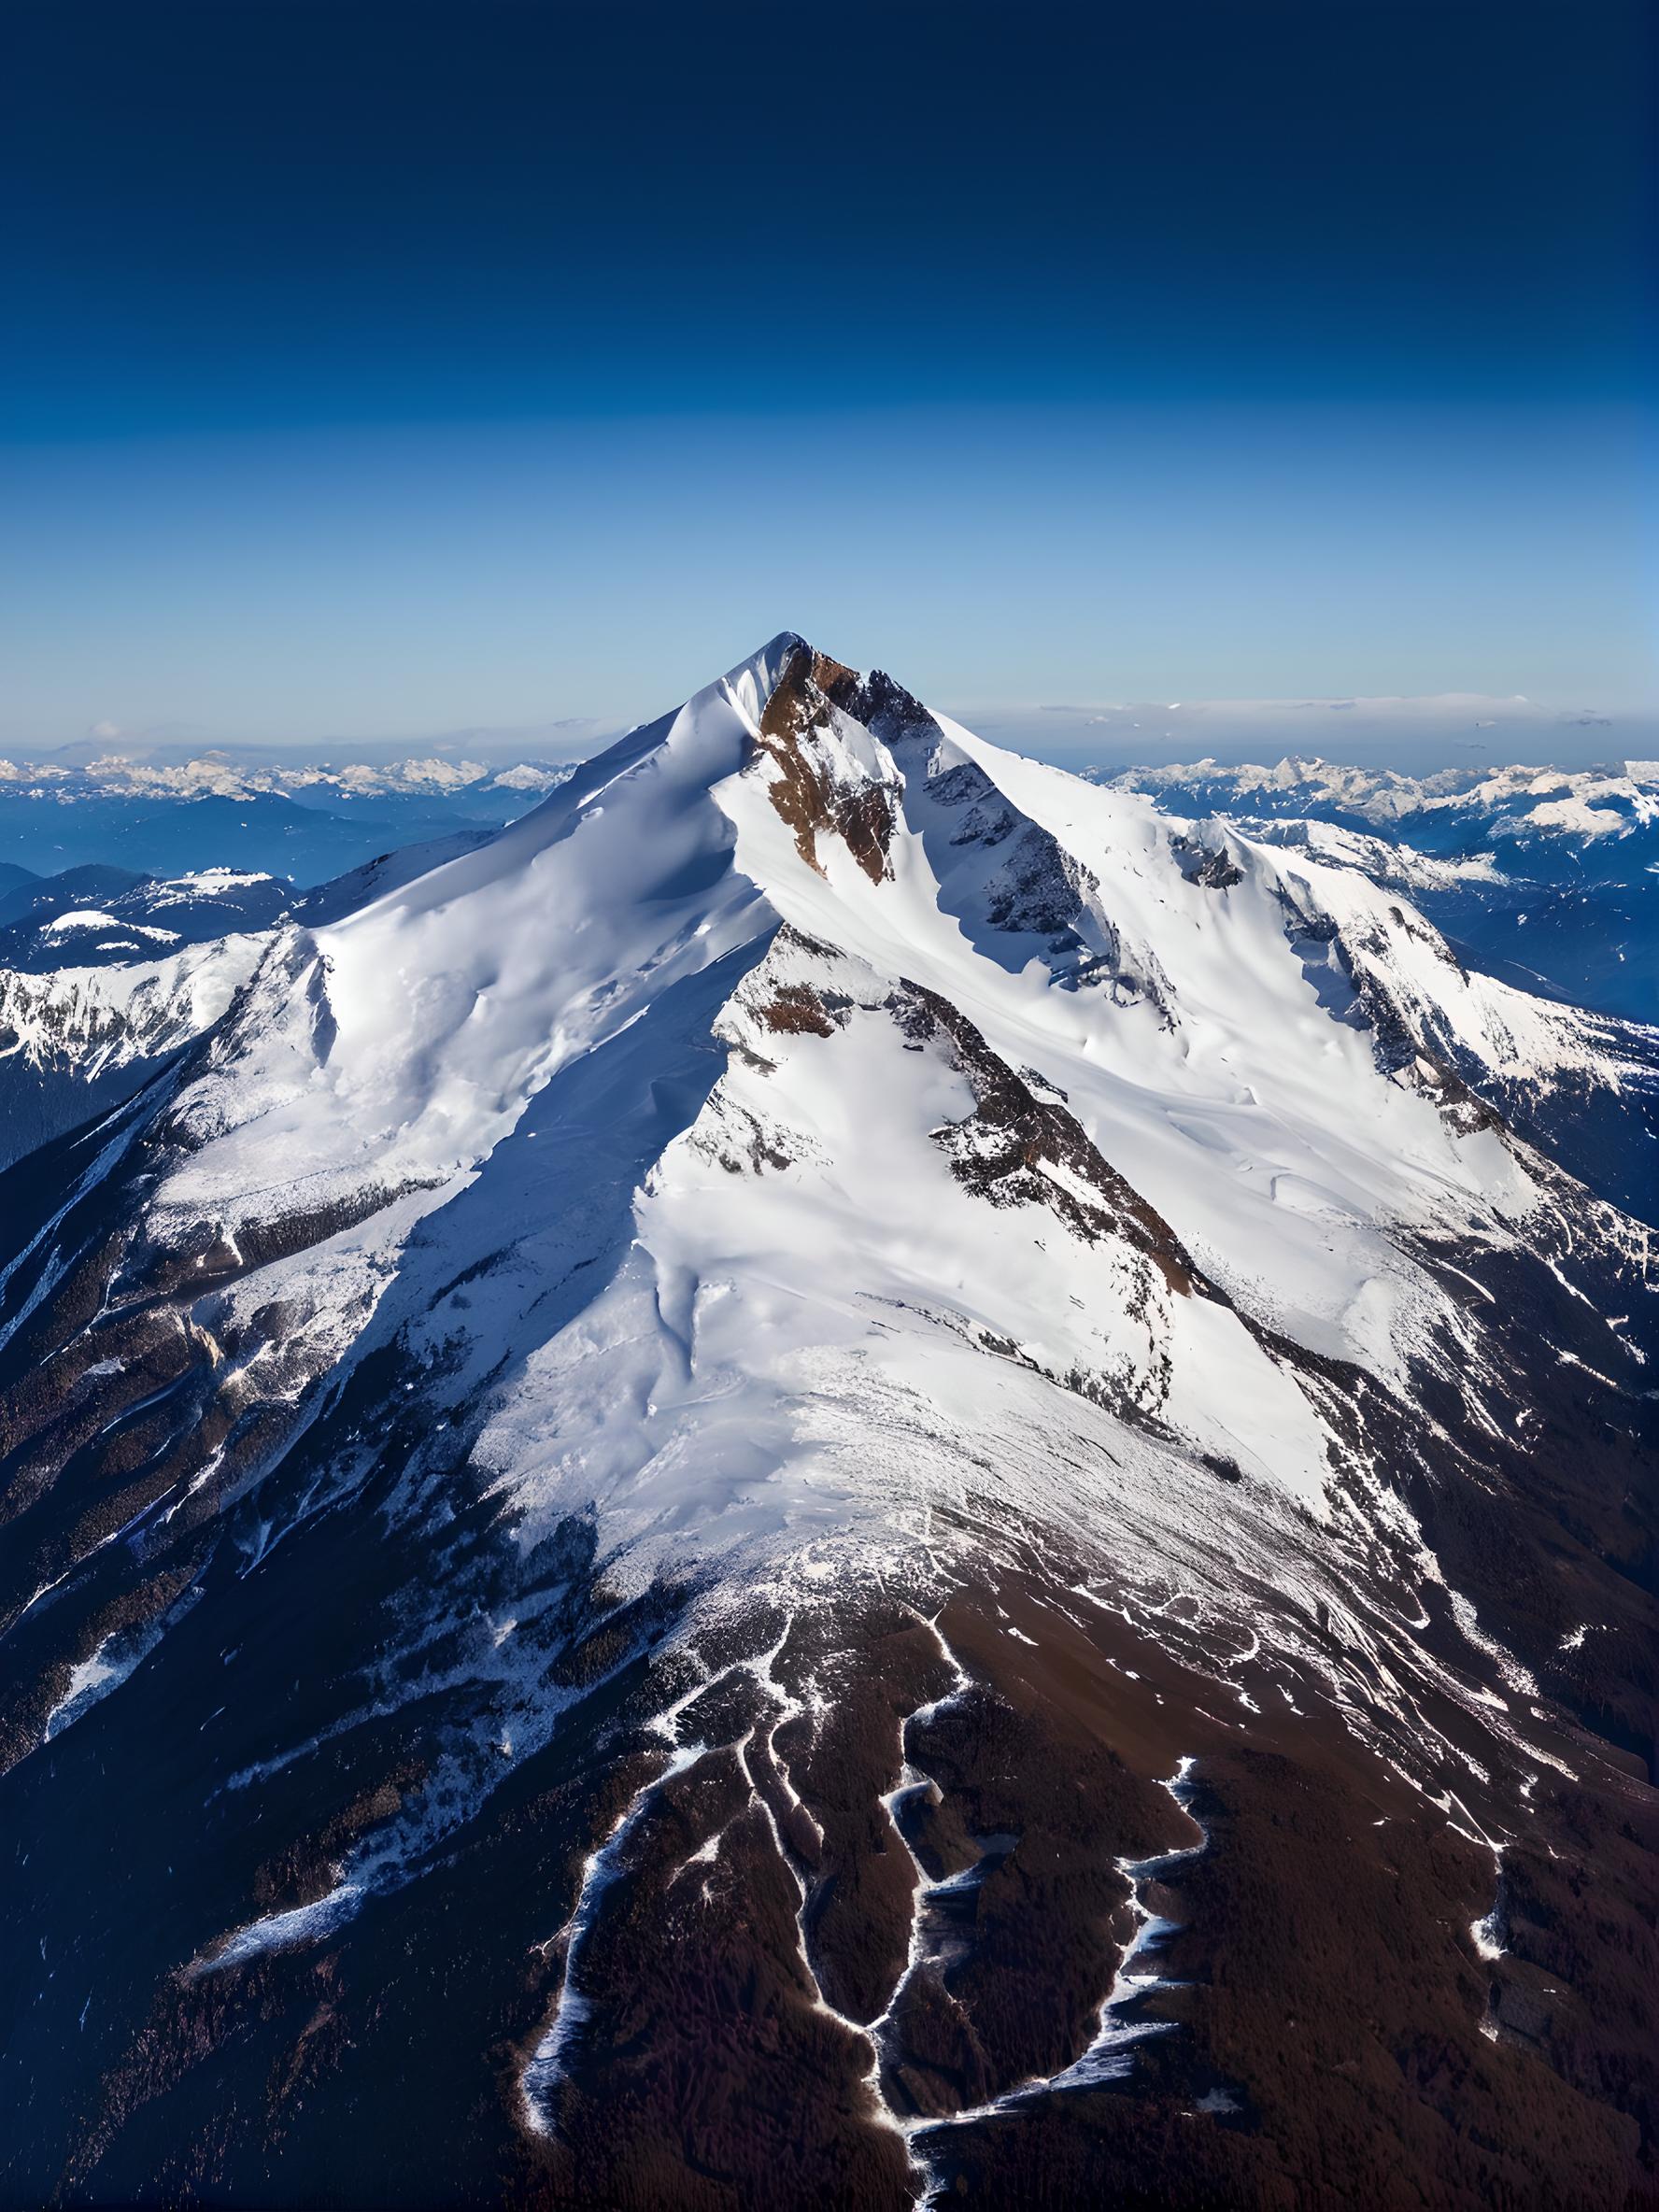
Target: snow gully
(603, 1867)
(911, 1782)
(1108, 2057)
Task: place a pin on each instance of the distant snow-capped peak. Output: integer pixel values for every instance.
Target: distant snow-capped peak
(1512, 802)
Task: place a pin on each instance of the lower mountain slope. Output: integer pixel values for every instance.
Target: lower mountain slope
(850, 1474)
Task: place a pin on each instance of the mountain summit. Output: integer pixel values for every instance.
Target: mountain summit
(850, 1471)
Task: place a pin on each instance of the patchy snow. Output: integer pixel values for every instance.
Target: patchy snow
(1121, 2025)
(91, 1679)
(1488, 1933)
(1110, 2053)
(83, 918)
(283, 1931)
(205, 883)
(111, 1662)
(1384, 860)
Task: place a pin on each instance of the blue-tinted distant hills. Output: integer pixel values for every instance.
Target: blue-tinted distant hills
(267, 835)
(304, 824)
(92, 916)
(1596, 943)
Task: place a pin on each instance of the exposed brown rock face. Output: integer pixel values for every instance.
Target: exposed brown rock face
(1336, 2039)
(886, 708)
(796, 1010)
(811, 791)
(135, 1403)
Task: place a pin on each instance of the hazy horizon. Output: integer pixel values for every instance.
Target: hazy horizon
(1413, 735)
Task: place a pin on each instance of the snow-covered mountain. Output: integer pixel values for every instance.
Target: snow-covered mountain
(1544, 876)
(851, 1470)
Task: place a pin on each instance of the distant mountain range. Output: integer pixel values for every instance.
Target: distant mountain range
(215, 775)
(1516, 805)
(1418, 735)
(304, 823)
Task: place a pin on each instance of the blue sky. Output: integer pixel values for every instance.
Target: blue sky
(375, 371)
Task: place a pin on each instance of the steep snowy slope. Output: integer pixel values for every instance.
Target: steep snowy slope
(95, 997)
(1542, 877)
(680, 1454)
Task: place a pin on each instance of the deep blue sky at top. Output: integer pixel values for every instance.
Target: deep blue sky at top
(368, 369)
